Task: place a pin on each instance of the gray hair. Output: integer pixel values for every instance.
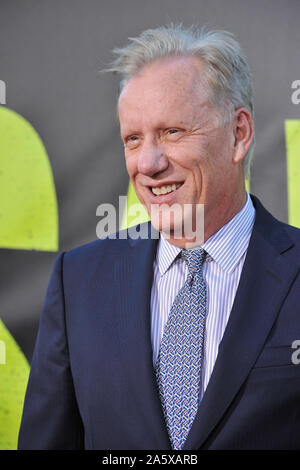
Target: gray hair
(227, 72)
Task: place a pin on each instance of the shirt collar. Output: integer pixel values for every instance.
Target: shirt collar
(225, 247)
(166, 254)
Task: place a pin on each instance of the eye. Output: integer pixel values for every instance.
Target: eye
(133, 138)
(173, 133)
(131, 141)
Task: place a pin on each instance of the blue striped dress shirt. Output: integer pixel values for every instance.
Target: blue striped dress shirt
(226, 252)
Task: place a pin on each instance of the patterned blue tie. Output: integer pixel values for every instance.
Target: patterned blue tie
(178, 367)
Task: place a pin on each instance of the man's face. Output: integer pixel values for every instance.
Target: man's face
(177, 148)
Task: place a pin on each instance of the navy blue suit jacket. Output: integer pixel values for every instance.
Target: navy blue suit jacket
(92, 383)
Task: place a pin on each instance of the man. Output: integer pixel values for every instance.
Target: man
(182, 342)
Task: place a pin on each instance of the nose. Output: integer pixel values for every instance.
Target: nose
(151, 159)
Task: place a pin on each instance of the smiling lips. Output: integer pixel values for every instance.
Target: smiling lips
(165, 189)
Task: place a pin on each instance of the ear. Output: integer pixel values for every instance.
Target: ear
(243, 130)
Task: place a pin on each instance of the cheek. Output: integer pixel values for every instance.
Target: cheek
(132, 170)
(203, 174)
(221, 149)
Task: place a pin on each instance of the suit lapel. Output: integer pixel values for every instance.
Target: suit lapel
(133, 281)
(264, 283)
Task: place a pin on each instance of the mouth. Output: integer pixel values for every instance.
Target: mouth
(165, 189)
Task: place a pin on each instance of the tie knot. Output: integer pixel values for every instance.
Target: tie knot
(194, 258)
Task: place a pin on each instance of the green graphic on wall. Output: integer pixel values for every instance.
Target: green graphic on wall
(28, 221)
(134, 213)
(14, 372)
(292, 137)
(28, 206)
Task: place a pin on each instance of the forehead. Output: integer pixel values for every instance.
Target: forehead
(174, 85)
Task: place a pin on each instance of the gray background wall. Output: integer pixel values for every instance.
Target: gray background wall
(50, 54)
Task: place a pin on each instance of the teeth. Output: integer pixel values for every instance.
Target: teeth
(165, 189)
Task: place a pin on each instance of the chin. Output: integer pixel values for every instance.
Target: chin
(171, 229)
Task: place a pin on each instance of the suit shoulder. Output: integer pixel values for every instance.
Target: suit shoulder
(284, 237)
(294, 236)
(116, 244)
(97, 247)
(294, 232)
